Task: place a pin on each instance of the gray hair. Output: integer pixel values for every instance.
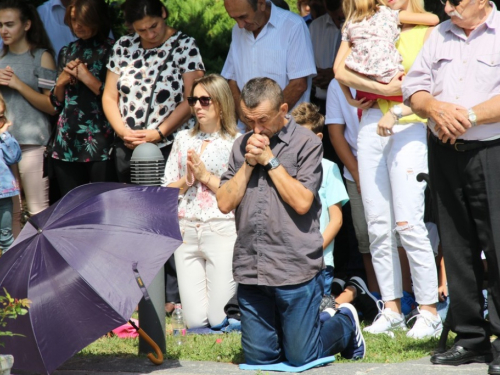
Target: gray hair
(260, 89)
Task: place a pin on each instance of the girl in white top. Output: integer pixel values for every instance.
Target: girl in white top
(198, 159)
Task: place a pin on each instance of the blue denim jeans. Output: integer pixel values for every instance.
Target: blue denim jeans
(328, 277)
(282, 324)
(6, 237)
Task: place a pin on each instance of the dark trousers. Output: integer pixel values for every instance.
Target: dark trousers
(70, 175)
(466, 194)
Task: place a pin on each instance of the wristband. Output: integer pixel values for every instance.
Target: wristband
(250, 165)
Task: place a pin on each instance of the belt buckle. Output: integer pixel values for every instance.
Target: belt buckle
(457, 144)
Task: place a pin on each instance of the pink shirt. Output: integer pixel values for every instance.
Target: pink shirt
(458, 69)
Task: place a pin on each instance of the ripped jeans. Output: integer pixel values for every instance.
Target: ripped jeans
(391, 194)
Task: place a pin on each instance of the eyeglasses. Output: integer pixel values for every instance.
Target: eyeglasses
(454, 3)
(204, 100)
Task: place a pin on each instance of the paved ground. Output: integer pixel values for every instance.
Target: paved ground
(133, 366)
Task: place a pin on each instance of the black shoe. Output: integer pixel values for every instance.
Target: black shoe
(458, 355)
(494, 367)
(327, 302)
(365, 302)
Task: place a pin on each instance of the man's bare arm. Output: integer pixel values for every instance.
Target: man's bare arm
(233, 86)
(231, 193)
(294, 90)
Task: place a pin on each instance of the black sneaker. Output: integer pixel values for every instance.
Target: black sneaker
(338, 286)
(327, 302)
(365, 302)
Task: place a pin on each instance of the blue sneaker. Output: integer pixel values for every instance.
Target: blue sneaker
(408, 303)
(356, 348)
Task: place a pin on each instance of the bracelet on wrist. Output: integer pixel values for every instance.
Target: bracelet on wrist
(250, 165)
(162, 137)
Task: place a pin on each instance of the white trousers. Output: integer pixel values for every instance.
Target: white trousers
(205, 270)
(391, 194)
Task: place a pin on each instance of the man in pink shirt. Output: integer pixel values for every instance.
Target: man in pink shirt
(455, 83)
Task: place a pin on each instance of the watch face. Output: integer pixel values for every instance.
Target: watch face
(397, 110)
(274, 163)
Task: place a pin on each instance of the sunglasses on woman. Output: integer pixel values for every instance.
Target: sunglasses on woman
(204, 100)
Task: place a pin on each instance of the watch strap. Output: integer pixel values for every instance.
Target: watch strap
(273, 163)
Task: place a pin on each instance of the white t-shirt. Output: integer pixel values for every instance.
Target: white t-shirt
(338, 111)
(326, 38)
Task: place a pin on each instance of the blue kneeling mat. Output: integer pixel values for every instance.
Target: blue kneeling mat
(286, 367)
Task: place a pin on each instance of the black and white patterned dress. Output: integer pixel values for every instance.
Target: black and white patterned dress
(137, 69)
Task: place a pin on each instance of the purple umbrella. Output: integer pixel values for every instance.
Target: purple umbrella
(75, 262)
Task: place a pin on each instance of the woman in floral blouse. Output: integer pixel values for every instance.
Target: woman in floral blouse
(198, 159)
(84, 136)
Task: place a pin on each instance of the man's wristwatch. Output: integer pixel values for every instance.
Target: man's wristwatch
(472, 117)
(397, 112)
(273, 164)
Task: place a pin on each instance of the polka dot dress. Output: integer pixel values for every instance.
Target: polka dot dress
(137, 69)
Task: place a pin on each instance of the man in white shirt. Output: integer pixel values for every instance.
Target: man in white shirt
(269, 42)
(52, 14)
(326, 36)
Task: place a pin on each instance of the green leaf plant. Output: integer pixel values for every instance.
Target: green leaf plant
(11, 308)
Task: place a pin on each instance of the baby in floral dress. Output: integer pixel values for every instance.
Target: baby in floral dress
(372, 37)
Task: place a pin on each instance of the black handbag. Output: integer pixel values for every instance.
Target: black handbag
(48, 161)
(122, 154)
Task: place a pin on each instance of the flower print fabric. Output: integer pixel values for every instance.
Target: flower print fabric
(199, 202)
(83, 132)
(373, 39)
(137, 69)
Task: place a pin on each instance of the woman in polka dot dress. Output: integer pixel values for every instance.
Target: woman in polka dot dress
(198, 159)
(133, 67)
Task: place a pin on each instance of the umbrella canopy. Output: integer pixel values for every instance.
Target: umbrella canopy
(75, 262)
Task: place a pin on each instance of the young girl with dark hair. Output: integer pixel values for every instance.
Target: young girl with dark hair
(84, 136)
(27, 73)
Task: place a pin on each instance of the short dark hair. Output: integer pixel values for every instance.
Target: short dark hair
(307, 114)
(281, 4)
(136, 10)
(91, 13)
(253, 4)
(260, 89)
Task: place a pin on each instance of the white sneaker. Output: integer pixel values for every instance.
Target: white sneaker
(426, 326)
(386, 322)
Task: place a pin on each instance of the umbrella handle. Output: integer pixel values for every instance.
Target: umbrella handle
(158, 360)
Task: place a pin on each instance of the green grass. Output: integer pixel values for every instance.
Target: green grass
(227, 348)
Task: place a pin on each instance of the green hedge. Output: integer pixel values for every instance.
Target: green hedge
(204, 20)
(207, 22)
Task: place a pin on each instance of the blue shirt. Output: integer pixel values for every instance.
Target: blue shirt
(10, 153)
(332, 191)
(52, 15)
